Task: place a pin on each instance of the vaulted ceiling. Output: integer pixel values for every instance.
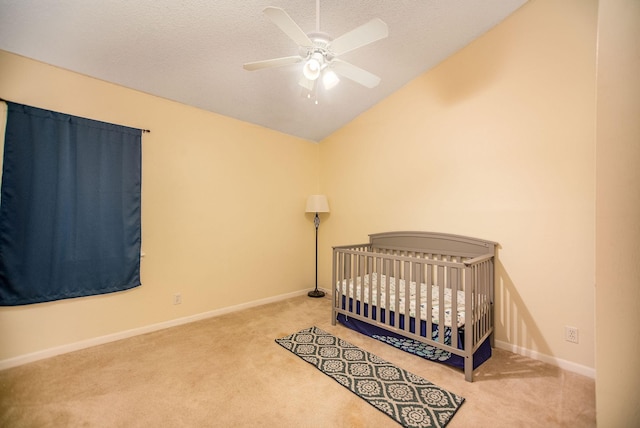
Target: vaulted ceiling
(193, 51)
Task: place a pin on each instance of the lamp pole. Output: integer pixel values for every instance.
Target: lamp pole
(316, 292)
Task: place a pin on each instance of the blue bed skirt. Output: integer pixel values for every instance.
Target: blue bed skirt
(482, 354)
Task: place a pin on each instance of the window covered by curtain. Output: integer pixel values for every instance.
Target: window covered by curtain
(70, 207)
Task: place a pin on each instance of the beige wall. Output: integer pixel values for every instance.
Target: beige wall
(222, 211)
(497, 142)
(618, 214)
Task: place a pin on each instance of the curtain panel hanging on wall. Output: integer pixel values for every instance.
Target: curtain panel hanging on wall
(69, 208)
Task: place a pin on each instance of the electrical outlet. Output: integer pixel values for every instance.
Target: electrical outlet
(177, 299)
(571, 334)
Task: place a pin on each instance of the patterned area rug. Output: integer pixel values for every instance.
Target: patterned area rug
(409, 399)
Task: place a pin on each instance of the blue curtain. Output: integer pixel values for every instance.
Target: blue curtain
(69, 208)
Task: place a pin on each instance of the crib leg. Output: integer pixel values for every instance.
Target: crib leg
(468, 368)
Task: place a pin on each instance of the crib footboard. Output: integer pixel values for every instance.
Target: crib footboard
(440, 298)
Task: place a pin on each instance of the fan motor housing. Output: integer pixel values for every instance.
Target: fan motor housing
(321, 43)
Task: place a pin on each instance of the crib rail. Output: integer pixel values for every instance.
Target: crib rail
(482, 274)
(357, 268)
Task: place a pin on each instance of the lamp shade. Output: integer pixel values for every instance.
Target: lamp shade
(317, 204)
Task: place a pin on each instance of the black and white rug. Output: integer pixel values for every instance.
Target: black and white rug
(409, 399)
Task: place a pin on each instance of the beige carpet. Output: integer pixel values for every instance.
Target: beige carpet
(228, 372)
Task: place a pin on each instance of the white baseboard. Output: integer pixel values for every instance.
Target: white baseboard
(63, 349)
(558, 362)
(58, 350)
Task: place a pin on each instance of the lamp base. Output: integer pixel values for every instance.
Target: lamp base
(315, 293)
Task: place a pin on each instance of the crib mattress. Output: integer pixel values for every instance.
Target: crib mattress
(362, 285)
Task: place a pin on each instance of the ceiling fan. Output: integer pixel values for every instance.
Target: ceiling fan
(320, 52)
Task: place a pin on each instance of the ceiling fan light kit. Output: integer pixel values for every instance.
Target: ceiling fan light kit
(330, 79)
(313, 66)
(320, 52)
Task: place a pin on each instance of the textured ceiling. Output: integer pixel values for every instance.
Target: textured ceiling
(192, 51)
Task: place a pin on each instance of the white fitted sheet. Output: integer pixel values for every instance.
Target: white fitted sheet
(362, 285)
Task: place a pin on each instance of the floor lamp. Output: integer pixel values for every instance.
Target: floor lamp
(317, 204)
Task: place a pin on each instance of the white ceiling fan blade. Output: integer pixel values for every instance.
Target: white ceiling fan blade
(275, 62)
(288, 26)
(354, 73)
(373, 30)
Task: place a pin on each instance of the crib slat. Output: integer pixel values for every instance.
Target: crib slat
(407, 296)
(478, 296)
(336, 293)
(355, 279)
(387, 318)
(479, 300)
(482, 300)
(473, 320)
(429, 309)
(455, 284)
(469, 339)
(357, 283)
(485, 303)
(369, 289)
(341, 278)
(417, 275)
(397, 266)
(441, 286)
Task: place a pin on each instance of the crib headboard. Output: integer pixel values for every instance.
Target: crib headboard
(433, 242)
